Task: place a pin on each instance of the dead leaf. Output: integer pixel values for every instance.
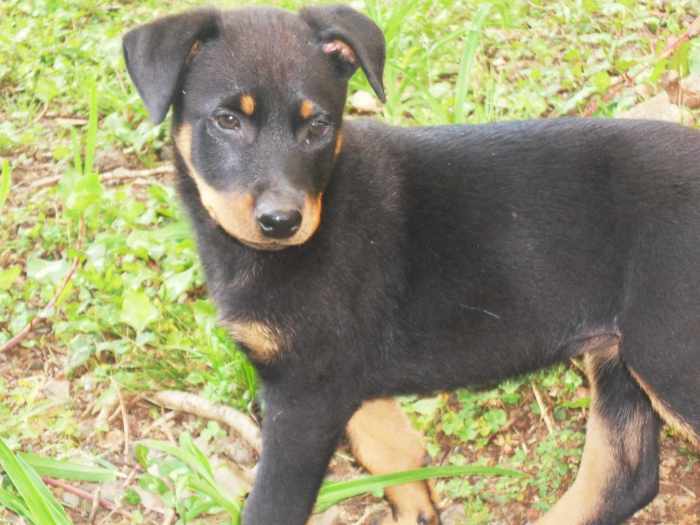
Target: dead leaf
(658, 108)
(690, 91)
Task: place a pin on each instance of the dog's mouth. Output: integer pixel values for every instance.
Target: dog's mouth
(236, 214)
(271, 246)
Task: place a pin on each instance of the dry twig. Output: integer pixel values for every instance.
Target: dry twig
(95, 505)
(672, 46)
(110, 177)
(125, 422)
(84, 494)
(544, 412)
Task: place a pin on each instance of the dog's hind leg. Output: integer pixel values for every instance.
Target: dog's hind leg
(619, 471)
(670, 378)
(383, 441)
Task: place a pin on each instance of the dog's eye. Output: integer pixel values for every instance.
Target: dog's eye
(318, 128)
(228, 121)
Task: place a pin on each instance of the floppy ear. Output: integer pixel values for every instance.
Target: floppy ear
(156, 53)
(352, 39)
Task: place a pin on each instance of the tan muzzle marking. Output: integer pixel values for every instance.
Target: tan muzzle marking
(234, 211)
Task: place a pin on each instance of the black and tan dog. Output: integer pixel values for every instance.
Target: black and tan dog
(355, 261)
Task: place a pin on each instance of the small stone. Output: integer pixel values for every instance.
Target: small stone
(454, 515)
(330, 517)
(364, 102)
(57, 390)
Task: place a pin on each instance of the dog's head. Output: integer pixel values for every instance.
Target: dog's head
(258, 97)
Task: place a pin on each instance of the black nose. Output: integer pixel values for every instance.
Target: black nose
(279, 224)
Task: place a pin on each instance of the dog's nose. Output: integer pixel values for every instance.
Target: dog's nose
(279, 224)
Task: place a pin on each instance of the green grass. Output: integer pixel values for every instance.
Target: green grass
(135, 315)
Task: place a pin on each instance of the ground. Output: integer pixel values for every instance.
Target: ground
(91, 226)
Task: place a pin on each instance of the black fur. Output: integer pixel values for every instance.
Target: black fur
(446, 257)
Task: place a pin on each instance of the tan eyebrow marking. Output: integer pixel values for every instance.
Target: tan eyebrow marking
(248, 104)
(306, 109)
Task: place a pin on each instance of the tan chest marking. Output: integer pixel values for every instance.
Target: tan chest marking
(263, 343)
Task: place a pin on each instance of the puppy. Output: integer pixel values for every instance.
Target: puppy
(355, 261)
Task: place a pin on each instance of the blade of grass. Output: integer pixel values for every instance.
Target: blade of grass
(188, 459)
(5, 181)
(202, 479)
(42, 506)
(335, 492)
(91, 137)
(10, 501)
(54, 468)
(467, 63)
(75, 147)
(232, 507)
(58, 515)
(197, 455)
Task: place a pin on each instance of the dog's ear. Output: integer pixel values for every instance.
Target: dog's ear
(352, 39)
(156, 53)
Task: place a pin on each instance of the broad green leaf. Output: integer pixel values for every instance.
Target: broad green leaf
(177, 284)
(43, 270)
(138, 311)
(8, 276)
(81, 348)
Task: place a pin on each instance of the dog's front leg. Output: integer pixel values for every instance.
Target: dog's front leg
(300, 433)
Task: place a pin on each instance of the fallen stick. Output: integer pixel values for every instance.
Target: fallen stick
(84, 494)
(125, 422)
(193, 404)
(117, 175)
(543, 409)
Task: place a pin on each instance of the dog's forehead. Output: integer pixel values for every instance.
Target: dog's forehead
(264, 28)
(266, 46)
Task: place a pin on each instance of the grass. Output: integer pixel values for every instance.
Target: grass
(134, 317)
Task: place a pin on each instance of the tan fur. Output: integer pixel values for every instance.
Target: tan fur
(338, 144)
(306, 109)
(235, 211)
(264, 344)
(248, 105)
(384, 441)
(669, 416)
(583, 499)
(601, 344)
(194, 51)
